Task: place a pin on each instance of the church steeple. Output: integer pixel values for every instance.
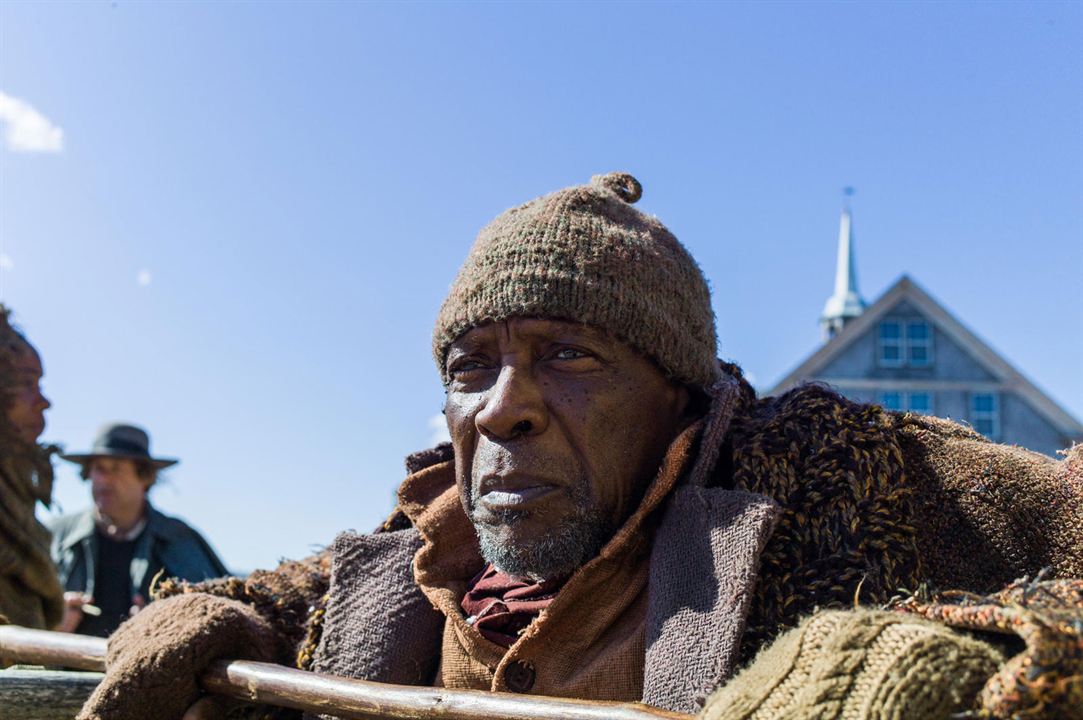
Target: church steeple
(846, 303)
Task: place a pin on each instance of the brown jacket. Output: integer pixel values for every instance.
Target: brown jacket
(815, 501)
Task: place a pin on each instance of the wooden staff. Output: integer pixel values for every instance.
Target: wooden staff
(269, 684)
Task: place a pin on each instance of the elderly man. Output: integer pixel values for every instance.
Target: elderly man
(29, 592)
(618, 516)
(110, 553)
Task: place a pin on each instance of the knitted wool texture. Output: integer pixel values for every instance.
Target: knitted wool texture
(875, 503)
(980, 501)
(285, 597)
(1045, 680)
(846, 529)
(155, 658)
(584, 254)
(368, 574)
(859, 665)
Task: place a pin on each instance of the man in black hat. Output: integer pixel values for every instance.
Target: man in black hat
(109, 554)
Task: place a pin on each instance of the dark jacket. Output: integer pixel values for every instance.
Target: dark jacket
(166, 545)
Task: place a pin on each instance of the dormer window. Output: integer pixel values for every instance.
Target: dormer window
(918, 345)
(915, 402)
(984, 414)
(905, 343)
(920, 402)
(891, 344)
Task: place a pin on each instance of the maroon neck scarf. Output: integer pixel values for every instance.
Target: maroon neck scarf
(501, 606)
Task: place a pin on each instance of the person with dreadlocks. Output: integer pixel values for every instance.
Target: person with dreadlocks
(619, 517)
(30, 593)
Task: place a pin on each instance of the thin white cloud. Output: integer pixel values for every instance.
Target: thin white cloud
(438, 426)
(27, 130)
(143, 277)
(6, 263)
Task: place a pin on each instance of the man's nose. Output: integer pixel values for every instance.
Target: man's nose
(514, 406)
(43, 401)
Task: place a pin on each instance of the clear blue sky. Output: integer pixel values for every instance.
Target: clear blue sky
(257, 208)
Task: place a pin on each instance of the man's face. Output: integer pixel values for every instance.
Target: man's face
(117, 488)
(26, 411)
(558, 429)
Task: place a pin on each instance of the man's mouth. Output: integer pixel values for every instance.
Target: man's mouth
(501, 494)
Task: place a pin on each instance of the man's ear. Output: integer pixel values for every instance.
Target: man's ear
(693, 404)
(689, 407)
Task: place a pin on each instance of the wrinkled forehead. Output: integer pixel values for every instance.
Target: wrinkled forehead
(534, 328)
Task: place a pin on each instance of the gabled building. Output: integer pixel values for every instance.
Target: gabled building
(907, 352)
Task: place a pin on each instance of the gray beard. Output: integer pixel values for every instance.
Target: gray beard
(562, 551)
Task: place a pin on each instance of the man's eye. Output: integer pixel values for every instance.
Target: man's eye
(570, 353)
(464, 366)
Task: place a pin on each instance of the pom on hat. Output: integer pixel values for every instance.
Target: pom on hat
(623, 185)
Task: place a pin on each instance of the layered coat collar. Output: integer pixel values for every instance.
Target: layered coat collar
(700, 547)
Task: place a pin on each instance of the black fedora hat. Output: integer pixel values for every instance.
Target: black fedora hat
(121, 441)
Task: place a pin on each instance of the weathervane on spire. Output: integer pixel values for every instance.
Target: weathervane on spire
(846, 303)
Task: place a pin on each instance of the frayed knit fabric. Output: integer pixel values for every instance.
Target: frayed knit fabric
(859, 665)
(847, 529)
(694, 627)
(286, 598)
(1045, 680)
(154, 659)
(992, 513)
(372, 577)
(723, 397)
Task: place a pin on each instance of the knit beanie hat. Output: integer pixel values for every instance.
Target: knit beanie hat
(586, 255)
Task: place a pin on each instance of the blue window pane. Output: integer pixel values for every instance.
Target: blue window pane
(921, 403)
(889, 331)
(891, 400)
(984, 425)
(984, 403)
(889, 353)
(919, 355)
(917, 331)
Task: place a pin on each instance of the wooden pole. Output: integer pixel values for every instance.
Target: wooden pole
(41, 647)
(269, 684)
